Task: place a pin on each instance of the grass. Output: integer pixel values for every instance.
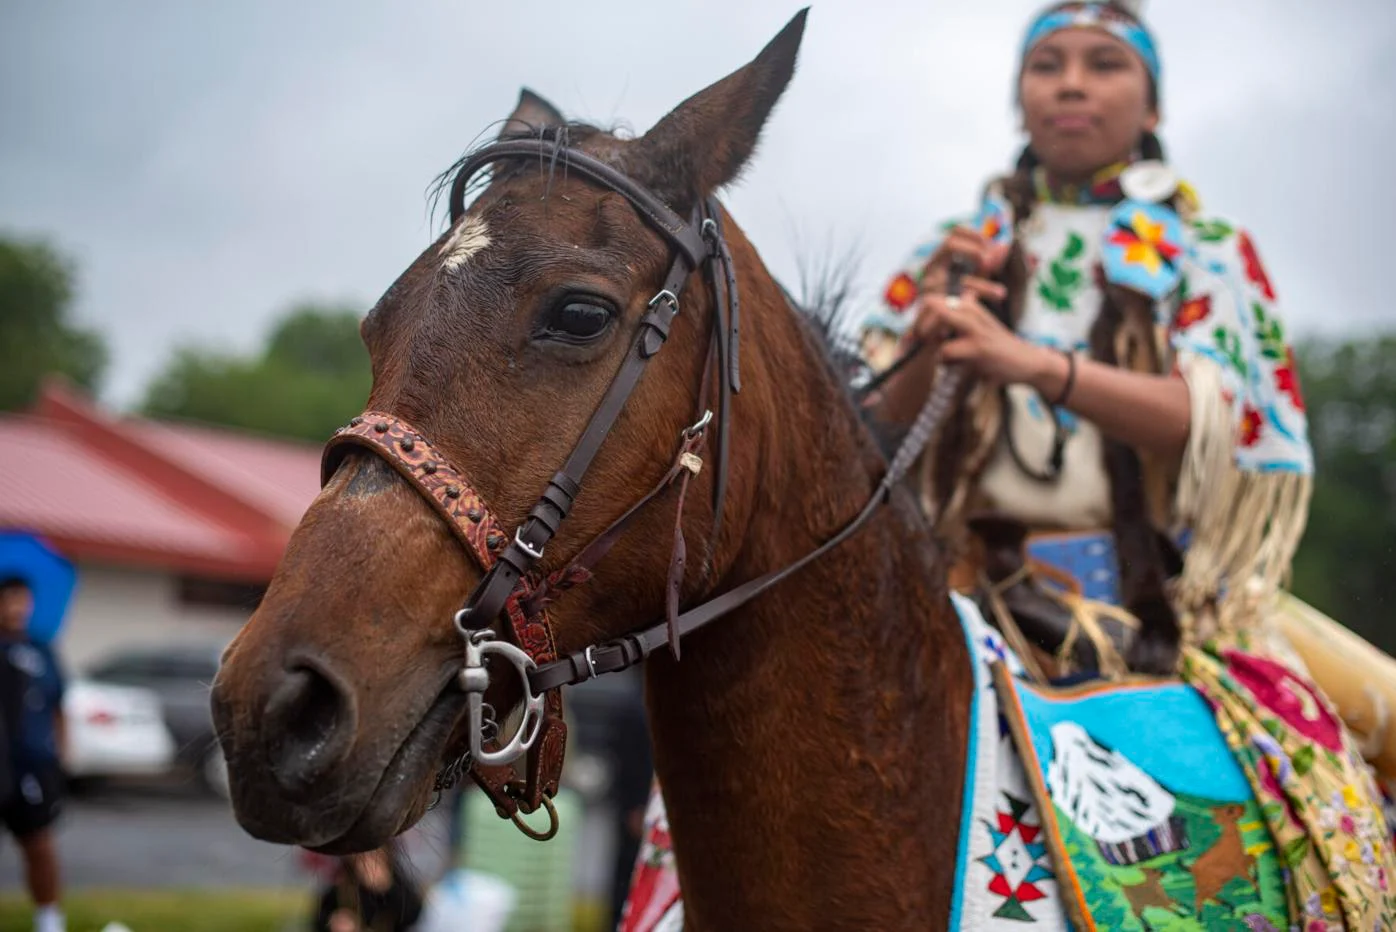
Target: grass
(203, 911)
(170, 910)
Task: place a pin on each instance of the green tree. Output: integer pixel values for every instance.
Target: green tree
(1346, 565)
(311, 376)
(37, 332)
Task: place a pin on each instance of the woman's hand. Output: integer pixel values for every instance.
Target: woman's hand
(967, 333)
(904, 393)
(374, 870)
(984, 258)
(342, 920)
(1147, 412)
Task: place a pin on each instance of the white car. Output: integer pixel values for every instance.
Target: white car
(115, 731)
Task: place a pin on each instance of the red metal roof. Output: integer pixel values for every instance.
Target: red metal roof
(278, 477)
(132, 491)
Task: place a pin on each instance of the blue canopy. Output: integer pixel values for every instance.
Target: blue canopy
(50, 575)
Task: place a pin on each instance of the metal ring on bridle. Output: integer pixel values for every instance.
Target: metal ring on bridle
(703, 422)
(591, 661)
(533, 833)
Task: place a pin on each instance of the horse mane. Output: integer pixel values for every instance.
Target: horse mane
(827, 303)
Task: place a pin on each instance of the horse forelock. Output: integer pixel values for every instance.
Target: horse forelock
(597, 141)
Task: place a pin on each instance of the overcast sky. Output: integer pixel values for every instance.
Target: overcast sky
(209, 163)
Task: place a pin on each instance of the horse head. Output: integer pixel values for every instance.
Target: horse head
(339, 702)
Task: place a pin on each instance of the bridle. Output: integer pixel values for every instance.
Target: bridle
(510, 589)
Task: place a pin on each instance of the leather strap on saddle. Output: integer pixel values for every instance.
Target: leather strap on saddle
(1036, 618)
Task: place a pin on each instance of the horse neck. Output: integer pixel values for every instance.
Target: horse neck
(800, 737)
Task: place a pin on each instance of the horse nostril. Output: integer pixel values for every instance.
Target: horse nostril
(312, 718)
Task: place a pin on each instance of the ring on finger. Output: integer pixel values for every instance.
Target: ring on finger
(952, 301)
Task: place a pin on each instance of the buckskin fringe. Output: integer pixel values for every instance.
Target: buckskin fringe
(1246, 526)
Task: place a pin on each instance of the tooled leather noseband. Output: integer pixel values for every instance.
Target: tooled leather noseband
(510, 589)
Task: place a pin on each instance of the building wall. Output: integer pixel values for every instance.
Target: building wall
(118, 607)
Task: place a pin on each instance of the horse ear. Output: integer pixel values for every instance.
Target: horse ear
(531, 114)
(704, 142)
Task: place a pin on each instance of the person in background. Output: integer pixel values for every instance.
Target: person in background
(630, 791)
(370, 892)
(880, 338)
(31, 704)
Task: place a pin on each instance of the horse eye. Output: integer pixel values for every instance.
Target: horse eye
(577, 322)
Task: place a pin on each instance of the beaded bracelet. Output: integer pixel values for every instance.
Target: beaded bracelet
(1070, 379)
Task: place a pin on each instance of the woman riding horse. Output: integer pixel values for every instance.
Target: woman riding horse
(542, 413)
(1135, 381)
(1128, 475)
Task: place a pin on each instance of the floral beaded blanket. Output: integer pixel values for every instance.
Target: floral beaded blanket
(1233, 799)
(1147, 811)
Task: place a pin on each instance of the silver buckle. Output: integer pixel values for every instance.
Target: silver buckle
(665, 294)
(523, 545)
(474, 679)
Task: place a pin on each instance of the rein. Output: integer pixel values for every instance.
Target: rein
(510, 589)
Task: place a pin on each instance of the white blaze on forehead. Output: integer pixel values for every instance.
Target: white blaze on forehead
(468, 238)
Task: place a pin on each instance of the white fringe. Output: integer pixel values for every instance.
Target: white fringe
(1246, 526)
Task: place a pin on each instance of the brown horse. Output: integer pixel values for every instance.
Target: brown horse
(811, 745)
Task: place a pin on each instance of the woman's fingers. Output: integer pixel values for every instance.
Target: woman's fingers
(959, 349)
(996, 256)
(941, 314)
(985, 289)
(965, 240)
(983, 257)
(961, 241)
